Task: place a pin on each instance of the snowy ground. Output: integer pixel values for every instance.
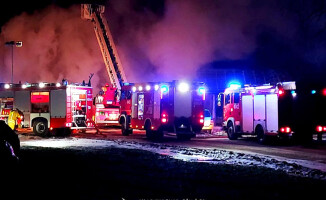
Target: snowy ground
(298, 168)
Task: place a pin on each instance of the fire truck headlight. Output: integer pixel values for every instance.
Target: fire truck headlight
(134, 89)
(183, 87)
(58, 85)
(41, 85)
(140, 88)
(7, 86)
(148, 87)
(156, 87)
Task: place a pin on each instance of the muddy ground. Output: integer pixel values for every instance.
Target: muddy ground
(119, 173)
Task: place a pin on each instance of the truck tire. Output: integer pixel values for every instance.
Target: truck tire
(158, 135)
(230, 131)
(262, 138)
(149, 134)
(149, 131)
(125, 130)
(40, 127)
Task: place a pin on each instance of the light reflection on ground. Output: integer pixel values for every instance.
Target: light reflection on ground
(213, 156)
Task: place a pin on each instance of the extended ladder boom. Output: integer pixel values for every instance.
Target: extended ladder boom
(109, 52)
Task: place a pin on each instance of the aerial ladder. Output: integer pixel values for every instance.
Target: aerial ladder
(95, 13)
(107, 105)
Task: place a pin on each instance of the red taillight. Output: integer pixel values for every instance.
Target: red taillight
(324, 128)
(164, 118)
(285, 129)
(201, 120)
(319, 128)
(324, 92)
(281, 92)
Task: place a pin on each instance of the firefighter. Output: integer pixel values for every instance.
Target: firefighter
(13, 118)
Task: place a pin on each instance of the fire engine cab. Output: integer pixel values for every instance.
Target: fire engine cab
(173, 107)
(259, 110)
(56, 107)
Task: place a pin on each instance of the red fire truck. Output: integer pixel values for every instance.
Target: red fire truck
(54, 107)
(264, 111)
(174, 107)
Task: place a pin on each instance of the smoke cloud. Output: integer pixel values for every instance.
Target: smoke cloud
(190, 34)
(159, 40)
(57, 44)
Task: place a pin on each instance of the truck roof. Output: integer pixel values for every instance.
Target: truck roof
(39, 86)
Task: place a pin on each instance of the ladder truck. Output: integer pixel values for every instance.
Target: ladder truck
(265, 111)
(107, 103)
(158, 108)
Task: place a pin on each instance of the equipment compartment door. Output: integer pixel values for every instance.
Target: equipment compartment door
(182, 104)
(271, 113)
(260, 110)
(247, 114)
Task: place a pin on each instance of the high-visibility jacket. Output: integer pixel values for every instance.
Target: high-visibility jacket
(12, 119)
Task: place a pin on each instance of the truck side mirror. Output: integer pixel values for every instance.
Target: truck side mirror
(219, 100)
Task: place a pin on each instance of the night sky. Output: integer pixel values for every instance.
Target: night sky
(285, 36)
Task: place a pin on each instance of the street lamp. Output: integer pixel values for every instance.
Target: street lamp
(12, 44)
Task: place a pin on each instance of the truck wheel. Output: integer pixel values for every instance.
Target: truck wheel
(149, 134)
(124, 130)
(230, 131)
(158, 135)
(40, 127)
(262, 138)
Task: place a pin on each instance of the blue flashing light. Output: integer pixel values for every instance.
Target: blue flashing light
(201, 90)
(164, 88)
(292, 92)
(313, 91)
(234, 85)
(126, 84)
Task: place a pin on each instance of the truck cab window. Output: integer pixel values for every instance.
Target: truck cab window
(125, 94)
(227, 99)
(236, 97)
